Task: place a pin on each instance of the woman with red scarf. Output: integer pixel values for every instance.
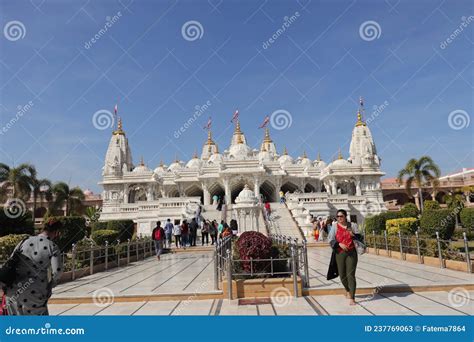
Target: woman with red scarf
(341, 238)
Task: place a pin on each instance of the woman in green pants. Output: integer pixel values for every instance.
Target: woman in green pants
(341, 238)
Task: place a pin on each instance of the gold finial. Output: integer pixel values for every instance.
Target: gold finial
(209, 138)
(339, 156)
(267, 138)
(119, 130)
(304, 155)
(237, 127)
(319, 156)
(176, 160)
(161, 163)
(285, 151)
(359, 119)
(195, 155)
(142, 163)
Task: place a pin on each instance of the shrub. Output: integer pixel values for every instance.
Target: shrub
(441, 220)
(430, 205)
(405, 225)
(8, 244)
(254, 245)
(98, 225)
(409, 210)
(377, 222)
(20, 225)
(73, 230)
(125, 228)
(467, 218)
(101, 236)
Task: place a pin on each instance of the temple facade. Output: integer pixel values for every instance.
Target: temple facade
(312, 187)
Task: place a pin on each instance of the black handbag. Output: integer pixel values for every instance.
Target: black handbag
(8, 270)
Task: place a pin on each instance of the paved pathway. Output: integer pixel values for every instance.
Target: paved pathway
(379, 271)
(192, 272)
(420, 303)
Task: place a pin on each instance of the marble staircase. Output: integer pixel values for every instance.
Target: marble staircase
(281, 222)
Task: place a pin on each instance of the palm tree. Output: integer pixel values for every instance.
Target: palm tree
(72, 198)
(42, 190)
(420, 172)
(455, 202)
(15, 182)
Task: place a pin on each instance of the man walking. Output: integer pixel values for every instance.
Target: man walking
(158, 235)
(193, 226)
(169, 232)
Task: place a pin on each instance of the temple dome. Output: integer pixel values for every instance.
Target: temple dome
(340, 163)
(216, 158)
(194, 163)
(176, 165)
(160, 168)
(141, 169)
(239, 151)
(305, 161)
(246, 196)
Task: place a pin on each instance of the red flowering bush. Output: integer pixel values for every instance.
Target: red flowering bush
(254, 245)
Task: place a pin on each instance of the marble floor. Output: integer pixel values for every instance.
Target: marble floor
(193, 272)
(420, 303)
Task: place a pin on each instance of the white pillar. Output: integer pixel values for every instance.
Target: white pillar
(228, 195)
(207, 194)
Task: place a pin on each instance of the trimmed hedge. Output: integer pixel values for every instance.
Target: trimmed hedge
(409, 210)
(8, 244)
(73, 230)
(441, 220)
(467, 218)
(20, 225)
(101, 236)
(377, 222)
(125, 228)
(405, 225)
(430, 205)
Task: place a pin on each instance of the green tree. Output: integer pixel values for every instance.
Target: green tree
(455, 203)
(41, 189)
(419, 172)
(65, 196)
(16, 181)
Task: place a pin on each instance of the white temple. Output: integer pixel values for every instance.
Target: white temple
(311, 186)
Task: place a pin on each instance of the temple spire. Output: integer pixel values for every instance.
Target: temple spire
(119, 130)
(142, 162)
(360, 113)
(319, 156)
(339, 156)
(267, 138)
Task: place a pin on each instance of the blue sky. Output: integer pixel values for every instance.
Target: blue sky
(315, 70)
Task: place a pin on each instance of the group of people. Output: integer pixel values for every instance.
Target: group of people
(321, 226)
(184, 234)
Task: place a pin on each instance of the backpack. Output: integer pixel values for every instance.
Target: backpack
(159, 234)
(8, 269)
